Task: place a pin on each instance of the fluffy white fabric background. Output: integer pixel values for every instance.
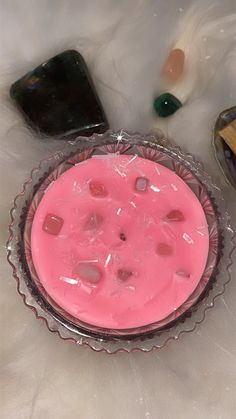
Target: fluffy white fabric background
(124, 43)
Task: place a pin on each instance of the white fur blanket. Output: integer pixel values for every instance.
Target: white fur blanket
(124, 43)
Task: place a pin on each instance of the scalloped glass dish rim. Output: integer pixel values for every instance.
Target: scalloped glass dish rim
(118, 141)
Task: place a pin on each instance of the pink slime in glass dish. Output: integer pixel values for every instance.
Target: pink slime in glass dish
(119, 241)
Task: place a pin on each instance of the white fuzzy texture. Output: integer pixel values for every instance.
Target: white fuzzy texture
(206, 41)
(125, 43)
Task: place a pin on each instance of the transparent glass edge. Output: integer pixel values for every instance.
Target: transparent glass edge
(223, 277)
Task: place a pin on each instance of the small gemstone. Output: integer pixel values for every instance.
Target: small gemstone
(124, 274)
(175, 215)
(183, 273)
(164, 249)
(123, 237)
(97, 189)
(141, 184)
(94, 221)
(174, 65)
(88, 272)
(52, 224)
(166, 105)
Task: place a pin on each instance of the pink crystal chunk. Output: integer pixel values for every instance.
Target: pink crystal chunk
(164, 249)
(174, 65)
(88, 272)
(175, 215)
(183, 274)
(94, 221)
(141, 184)
(124, 274)
(52, 224)
(97, 189)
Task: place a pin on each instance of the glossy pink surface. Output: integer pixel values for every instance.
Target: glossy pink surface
(125, 256)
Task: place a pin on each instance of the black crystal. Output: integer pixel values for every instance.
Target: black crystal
(58, 98)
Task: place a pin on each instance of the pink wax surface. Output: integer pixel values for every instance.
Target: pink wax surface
(164, 258)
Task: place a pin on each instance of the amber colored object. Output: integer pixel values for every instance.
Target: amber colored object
(228, 134)
(174, 65)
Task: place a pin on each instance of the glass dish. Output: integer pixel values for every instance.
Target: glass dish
(156, 148)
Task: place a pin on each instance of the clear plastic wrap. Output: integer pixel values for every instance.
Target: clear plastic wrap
(156, 335)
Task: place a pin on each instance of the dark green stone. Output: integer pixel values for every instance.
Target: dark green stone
(166, 104)
(59, 98)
